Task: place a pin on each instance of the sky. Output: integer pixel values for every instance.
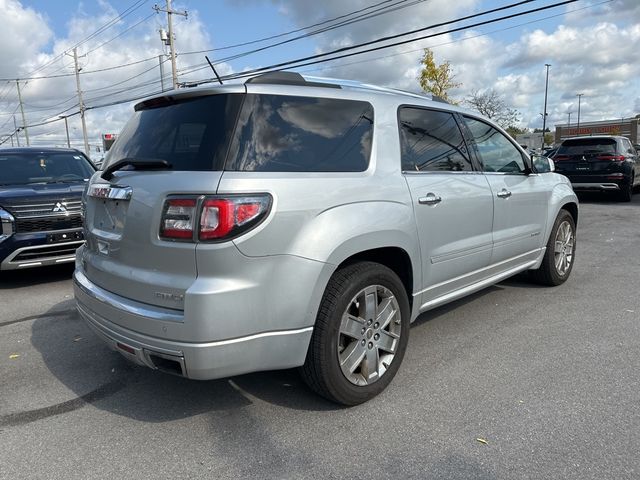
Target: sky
(593, 47)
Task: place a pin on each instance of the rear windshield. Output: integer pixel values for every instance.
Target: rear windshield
(239, 132)
(582, 146)
(192, 134)
(32, 167)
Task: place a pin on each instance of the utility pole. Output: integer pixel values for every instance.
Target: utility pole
(80, 102)
(569, 121)
(544, 114)
(579, 95)
(170, 12)
(15, 125)
(24, 122)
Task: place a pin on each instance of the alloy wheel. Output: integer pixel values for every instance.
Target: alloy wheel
(563, 251)
(369, 335)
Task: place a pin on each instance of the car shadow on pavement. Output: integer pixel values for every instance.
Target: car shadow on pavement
(34, 276)
(607, 198)
(78, 359)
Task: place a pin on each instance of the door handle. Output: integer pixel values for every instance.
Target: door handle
(504, 193)
(429, 199)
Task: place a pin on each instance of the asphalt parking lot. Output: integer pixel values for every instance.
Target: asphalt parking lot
(516, 381)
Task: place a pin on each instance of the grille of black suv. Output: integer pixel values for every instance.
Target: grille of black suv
(47, 215)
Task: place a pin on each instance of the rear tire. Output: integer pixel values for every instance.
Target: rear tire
(360, 335)
(560, 254)
(626, 194)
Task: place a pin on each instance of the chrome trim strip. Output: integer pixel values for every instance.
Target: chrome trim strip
(275, 333)
(475, 272)
(106, 190)
(9, 264)
(463, 292)
(596, 186)
(128, 306)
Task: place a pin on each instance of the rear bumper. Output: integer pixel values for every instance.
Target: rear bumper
(107, 314)
(597, 186)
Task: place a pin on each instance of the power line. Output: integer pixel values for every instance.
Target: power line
(279, 35)
(312, 58)
(384, 39)
(137, 4)
(538, 20)
(375, 13)
(121, 33)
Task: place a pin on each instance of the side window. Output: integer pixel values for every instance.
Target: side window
(280, 133)
(431, 141)
(497, 153)
(628, 148)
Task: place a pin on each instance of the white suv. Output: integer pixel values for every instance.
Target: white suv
(298, 222)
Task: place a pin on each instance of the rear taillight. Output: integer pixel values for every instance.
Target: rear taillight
(213, 218)
(560, 158)
(178, 218)
(612, 158)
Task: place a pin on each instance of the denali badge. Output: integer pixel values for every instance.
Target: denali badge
(59, 208)
(169, 296)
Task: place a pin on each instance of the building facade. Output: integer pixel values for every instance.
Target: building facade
(627, 127)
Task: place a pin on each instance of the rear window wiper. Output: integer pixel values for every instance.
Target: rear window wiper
(137, 164)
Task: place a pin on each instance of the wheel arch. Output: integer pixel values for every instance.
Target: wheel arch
(395, 258)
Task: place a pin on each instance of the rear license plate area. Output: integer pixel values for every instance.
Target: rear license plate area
(582, 167)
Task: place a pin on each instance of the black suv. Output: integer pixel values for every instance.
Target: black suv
(601, 163)
(40, 205)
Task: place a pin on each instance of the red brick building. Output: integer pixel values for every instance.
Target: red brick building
(627, 127)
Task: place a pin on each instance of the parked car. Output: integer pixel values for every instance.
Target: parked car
(605, 163)
(297, 222)
(40, 205)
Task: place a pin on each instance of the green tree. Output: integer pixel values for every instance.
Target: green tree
(513, 130)
(436, 79)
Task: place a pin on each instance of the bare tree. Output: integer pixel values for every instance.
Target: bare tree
(492, 105)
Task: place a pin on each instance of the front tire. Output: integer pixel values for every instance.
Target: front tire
(360, 336)
(560, 254)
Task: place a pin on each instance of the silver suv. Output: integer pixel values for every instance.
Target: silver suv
(304, 222)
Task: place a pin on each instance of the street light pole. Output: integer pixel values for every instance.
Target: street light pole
(579, 95)
(544, 112)
(66, 127)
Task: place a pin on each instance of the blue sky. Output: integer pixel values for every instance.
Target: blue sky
(592, 45)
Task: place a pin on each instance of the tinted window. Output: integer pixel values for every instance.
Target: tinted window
(431, 141)
(496, 151)
(25, 168)
(191, 134)
(581, 146)
(278, 133)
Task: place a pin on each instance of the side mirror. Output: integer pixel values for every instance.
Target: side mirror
(543, 164)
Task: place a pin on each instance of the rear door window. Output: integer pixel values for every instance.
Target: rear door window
(431, 141)
(279, 133)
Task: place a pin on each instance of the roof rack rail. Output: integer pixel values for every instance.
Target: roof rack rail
(287, 78)
(436, 98)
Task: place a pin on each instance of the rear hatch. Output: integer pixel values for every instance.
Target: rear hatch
(583, 158)
(171, 146)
